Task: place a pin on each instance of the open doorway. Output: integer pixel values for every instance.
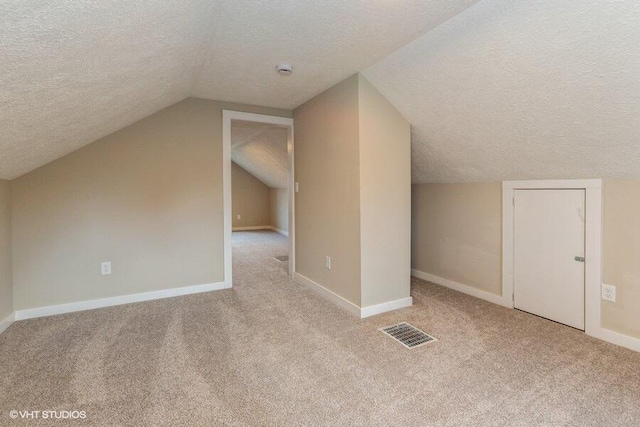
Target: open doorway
(258, 182)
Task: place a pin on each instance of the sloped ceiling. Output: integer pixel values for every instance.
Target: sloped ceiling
(502, 89)
(72, 71)
(522, 90)
(325, 41)
(261, 149)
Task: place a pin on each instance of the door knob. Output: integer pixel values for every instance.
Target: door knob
(579, 258)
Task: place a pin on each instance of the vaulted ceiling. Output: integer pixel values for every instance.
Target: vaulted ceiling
(495, 89)
(261, 149)
(522, 90)
(74, 71)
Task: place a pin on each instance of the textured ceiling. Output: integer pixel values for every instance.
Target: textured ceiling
(325, 41)
(505, 89)
(522, 90)
(243, 131)
(261, 149)
(73, 71)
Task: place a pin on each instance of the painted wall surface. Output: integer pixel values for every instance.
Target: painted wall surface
(6, 281)
(328, 203)
(457, 233)
(148, 198)
(385, 198)
(621, 252)
(279, 207)
(250, 199)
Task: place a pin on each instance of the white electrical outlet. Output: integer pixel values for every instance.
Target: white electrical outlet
(239, 217)
(608, 293)
(297, 187)
(106, 268)
(327, 262)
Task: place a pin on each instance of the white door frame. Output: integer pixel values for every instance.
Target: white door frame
(227, 117)
(593, 242)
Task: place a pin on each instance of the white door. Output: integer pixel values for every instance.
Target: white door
(549, 254)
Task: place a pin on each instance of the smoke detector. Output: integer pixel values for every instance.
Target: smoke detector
(284, 69)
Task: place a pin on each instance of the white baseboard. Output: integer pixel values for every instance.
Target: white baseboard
(277, 230)
(252, 228)
(363, 312)
(372, 310)
(261, 227)
(617, 338)
(7, 322)
(466, 289)
(327, 294)
(51, 310)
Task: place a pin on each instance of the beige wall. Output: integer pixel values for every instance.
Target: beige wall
(457, 233)
(279, 207)
(353, 165)
(328, 203)
(148, 198)
(621, 264)
(250, 199)
(385, 198)
(6, 282)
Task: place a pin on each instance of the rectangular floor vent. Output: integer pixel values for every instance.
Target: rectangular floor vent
(407, 335)
(282, 258)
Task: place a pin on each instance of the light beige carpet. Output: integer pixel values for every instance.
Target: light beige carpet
(271, 352)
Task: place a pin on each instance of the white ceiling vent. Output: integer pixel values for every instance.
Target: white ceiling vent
(284, 69)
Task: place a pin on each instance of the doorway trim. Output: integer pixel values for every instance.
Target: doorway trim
(593, 243)
(227, 117)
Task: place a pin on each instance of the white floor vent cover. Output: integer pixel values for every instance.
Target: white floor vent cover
(407, 335)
